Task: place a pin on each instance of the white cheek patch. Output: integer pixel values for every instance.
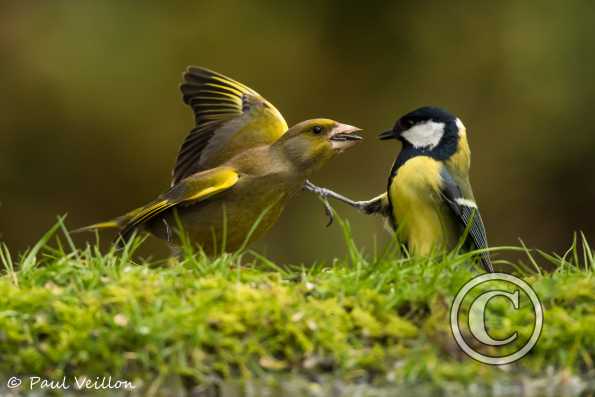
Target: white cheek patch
(466, 202)
(461, 127)
(460, 124)
(424, 135)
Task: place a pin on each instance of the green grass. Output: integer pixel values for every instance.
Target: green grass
(378, 318)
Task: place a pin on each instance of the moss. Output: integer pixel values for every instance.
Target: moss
(381, 319)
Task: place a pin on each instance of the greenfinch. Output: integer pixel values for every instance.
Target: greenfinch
(230, 118)
(225, 207)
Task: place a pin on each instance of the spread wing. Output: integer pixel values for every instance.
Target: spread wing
(467, 214)
(194, 189)
(230, 118)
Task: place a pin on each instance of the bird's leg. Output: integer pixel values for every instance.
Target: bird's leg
(377, 205)
(167, 230)
(310, 187)
(367, 207)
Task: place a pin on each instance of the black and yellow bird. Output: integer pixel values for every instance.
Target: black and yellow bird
(236, 169)
(429, 202)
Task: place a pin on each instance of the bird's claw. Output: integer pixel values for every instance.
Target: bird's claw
(328, 209)
(366, 207)
(324, 195)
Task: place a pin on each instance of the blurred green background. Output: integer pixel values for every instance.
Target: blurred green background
(91, 116)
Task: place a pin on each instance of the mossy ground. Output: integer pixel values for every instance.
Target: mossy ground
(375, 318)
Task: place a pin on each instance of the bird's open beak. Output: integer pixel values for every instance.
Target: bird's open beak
(344, 132)
(390, 134)
(344, 136)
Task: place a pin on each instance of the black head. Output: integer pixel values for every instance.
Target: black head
(424, 128)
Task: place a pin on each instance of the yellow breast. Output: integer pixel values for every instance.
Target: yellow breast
(422, 219)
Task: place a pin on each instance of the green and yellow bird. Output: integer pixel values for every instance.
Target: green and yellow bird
(234, 125)
(429, 202)
(230, 118)
(236, 202)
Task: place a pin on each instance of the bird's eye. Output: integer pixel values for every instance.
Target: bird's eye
(410, 122)
(317, 129)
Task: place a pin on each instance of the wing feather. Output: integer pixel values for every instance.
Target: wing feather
(217, 100)
(467, 214)
(196, 188)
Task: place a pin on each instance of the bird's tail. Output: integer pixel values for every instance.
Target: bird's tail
(120, 223)
(117, 223)
(128, 223)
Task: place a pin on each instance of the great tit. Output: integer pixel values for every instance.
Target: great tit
(230, 118)
(429, 202)
(224, 207)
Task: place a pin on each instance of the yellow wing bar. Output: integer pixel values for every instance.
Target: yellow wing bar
(197, 188)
